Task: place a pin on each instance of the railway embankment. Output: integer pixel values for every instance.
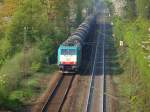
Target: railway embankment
(41, 100)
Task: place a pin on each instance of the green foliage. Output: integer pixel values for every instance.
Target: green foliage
(32, 16)
(15, 70)
(31, 59)
(35, 66)
(17, 95)
(50, 68)
(53, 68)
(34, 58)
(137, 71)
(32, 83)
(4, 50)
(133, 33)
(16, 98)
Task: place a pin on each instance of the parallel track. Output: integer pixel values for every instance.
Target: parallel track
(96, 100)
(57, 98)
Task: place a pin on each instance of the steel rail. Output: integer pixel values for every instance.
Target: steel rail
(102, 84)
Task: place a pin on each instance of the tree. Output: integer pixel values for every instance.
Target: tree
(32, 16)
(7, 9)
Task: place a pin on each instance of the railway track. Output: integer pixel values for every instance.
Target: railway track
(96, 100)
(57, 97)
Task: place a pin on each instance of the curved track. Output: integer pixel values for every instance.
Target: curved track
(58, 95)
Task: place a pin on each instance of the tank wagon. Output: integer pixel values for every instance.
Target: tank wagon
(70, 51)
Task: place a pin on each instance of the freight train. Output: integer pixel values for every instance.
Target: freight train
(70, 51)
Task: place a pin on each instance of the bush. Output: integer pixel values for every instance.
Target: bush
(53, 67)
(14, 71)
(31, 83)
(19, 95)
(4, 50)
(50, 68)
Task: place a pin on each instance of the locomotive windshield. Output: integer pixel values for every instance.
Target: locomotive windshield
(68, 52)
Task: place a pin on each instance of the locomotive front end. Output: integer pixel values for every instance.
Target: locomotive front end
(67, 59)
